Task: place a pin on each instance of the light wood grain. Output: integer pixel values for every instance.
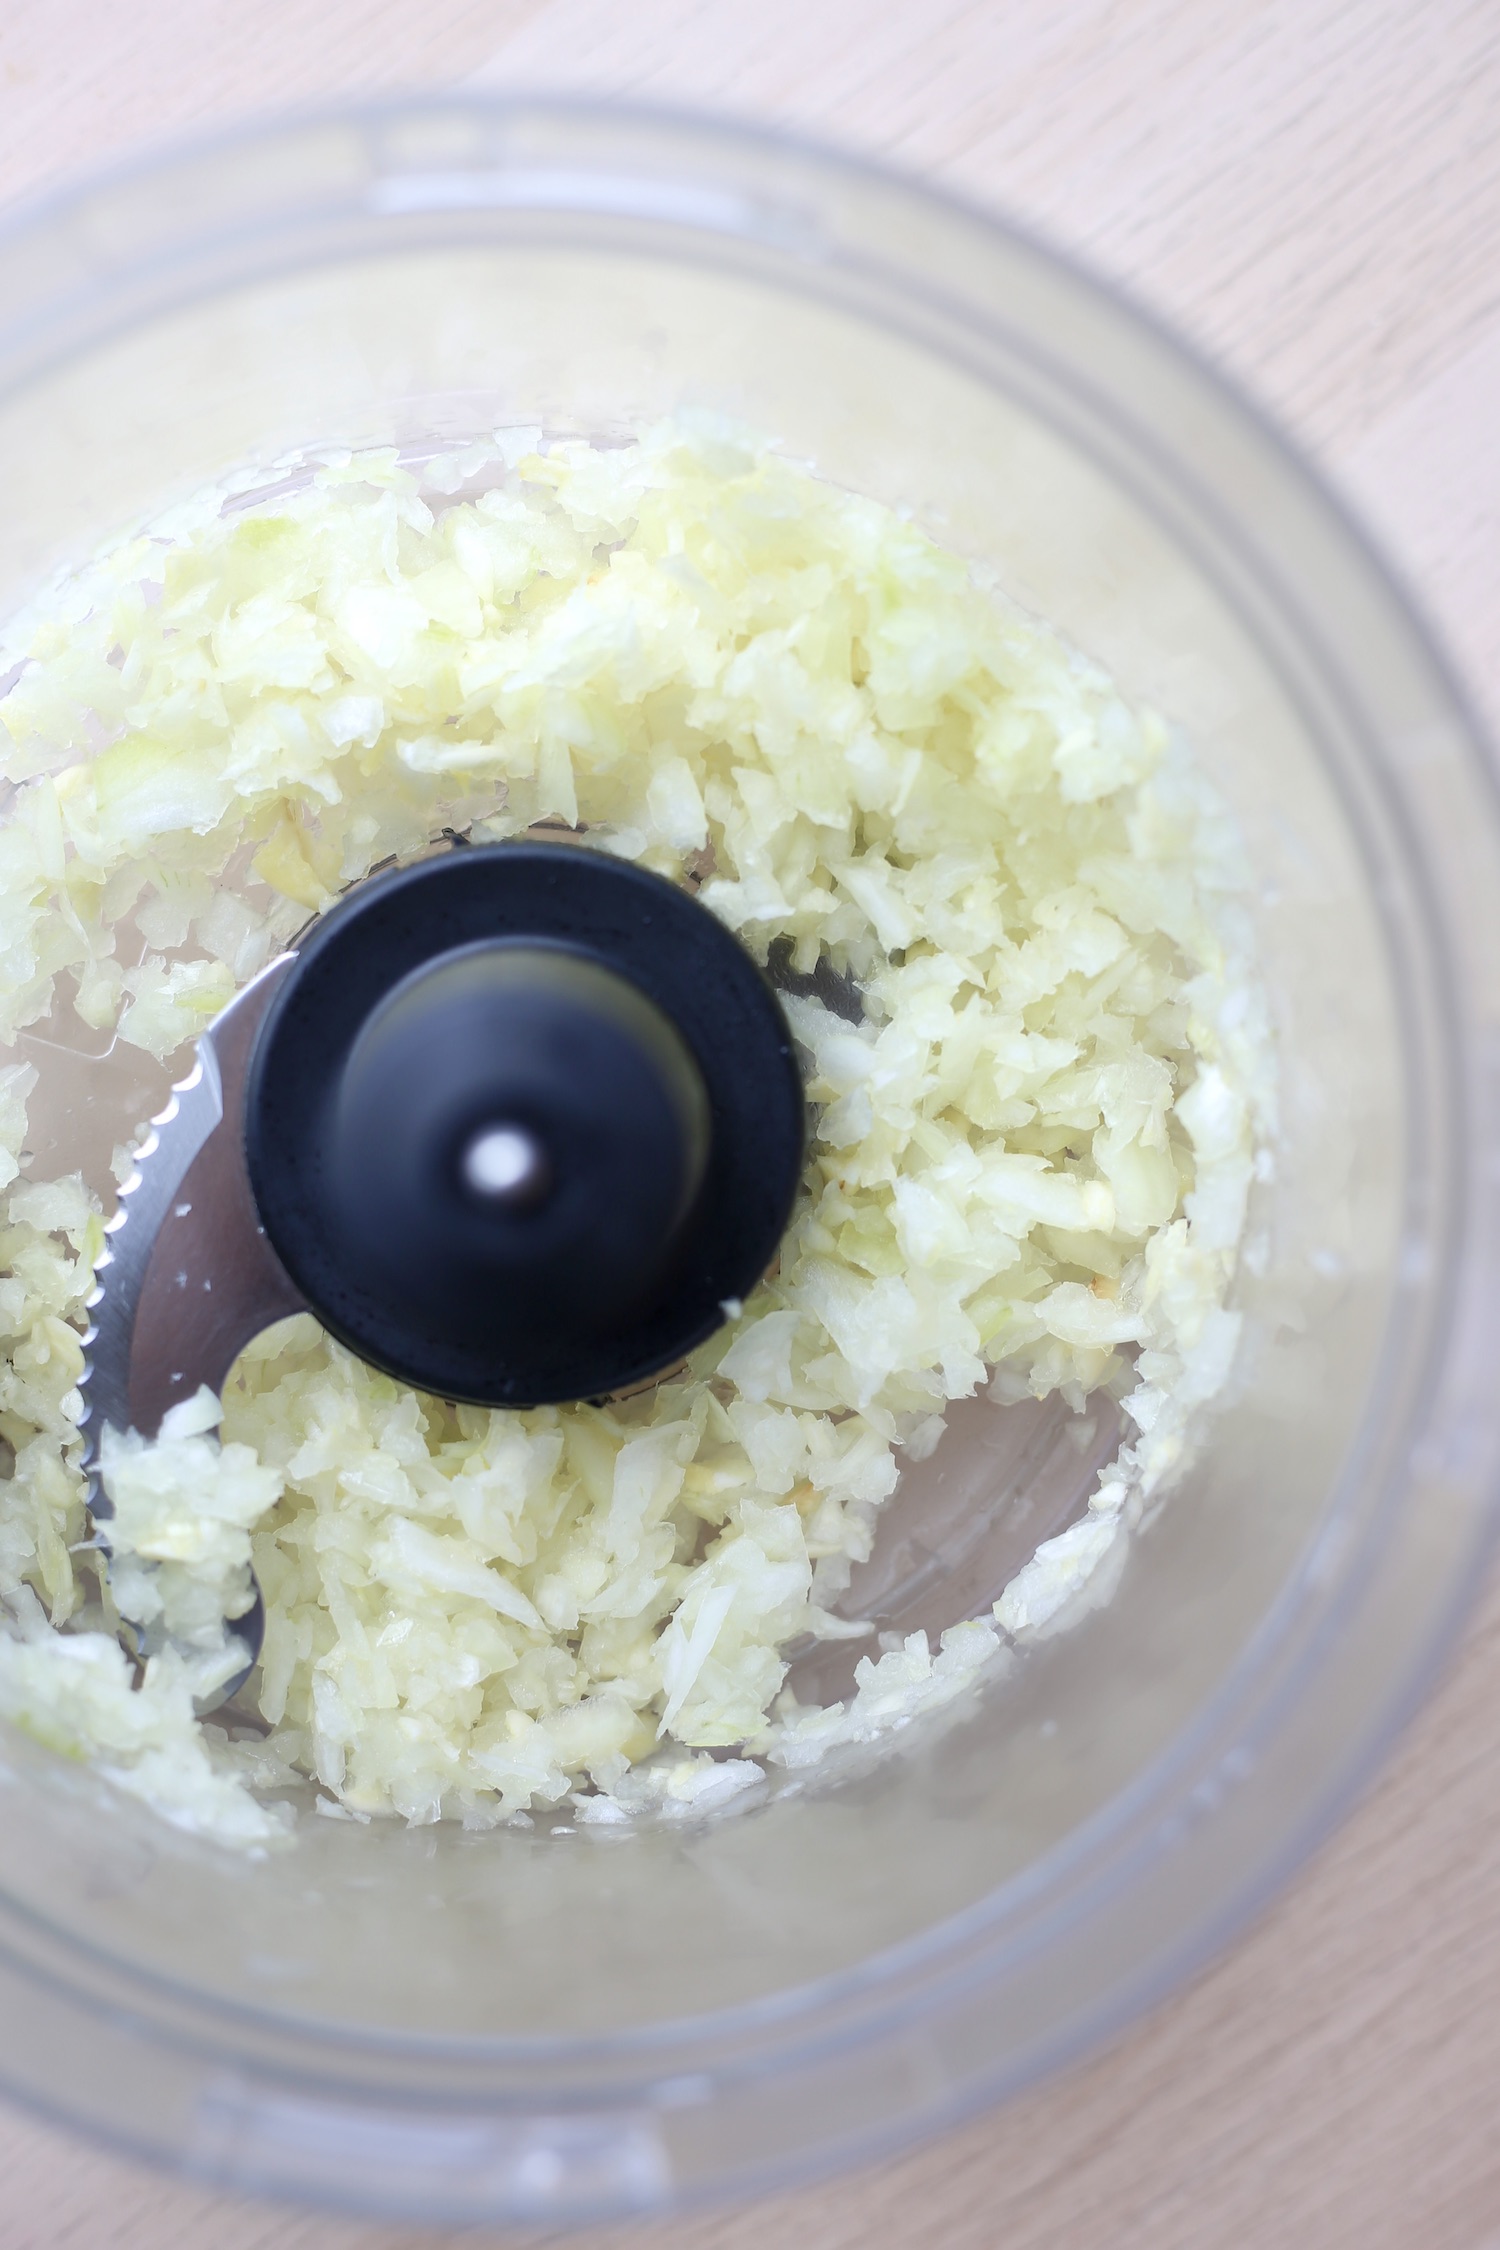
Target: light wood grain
(1312, 190)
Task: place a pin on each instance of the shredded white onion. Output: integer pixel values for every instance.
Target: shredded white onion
(1029, 1171)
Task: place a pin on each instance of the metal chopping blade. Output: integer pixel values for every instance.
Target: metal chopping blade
(187, 1276)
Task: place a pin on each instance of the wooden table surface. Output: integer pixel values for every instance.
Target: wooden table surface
(1312, 189)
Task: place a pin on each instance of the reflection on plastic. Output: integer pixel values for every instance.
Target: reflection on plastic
(439, 2164)
(667, 202)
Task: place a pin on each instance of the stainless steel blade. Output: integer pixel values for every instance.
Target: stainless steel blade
(187, 1276)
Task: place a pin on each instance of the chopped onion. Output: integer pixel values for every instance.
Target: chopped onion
(1028, 1174)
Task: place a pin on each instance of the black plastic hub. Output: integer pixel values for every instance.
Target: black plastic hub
(521, 1121)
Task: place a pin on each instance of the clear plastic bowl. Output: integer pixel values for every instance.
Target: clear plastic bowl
(550, 2026)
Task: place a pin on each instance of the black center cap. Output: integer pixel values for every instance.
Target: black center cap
(520, 1121)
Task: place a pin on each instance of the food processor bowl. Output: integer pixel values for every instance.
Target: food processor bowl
(569, 2022)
